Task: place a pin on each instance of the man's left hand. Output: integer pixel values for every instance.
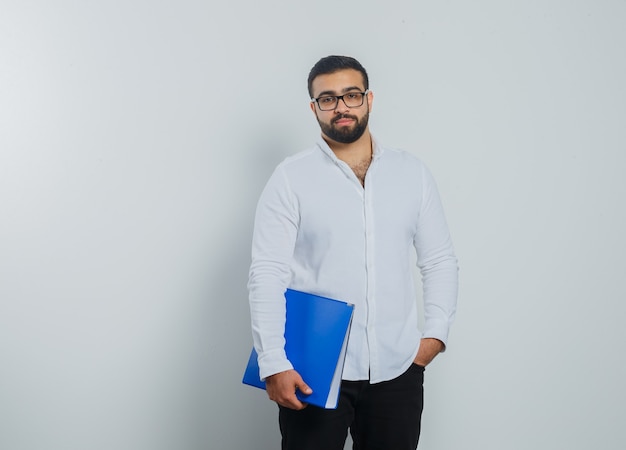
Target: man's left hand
(429, 348)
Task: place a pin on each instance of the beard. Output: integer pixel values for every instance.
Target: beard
(345, 135)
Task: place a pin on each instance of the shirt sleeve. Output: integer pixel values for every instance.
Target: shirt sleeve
(437, 263)
(273, 241)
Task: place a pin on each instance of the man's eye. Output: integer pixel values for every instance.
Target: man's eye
(326, 100)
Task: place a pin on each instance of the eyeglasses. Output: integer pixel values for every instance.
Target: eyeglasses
(330, 102)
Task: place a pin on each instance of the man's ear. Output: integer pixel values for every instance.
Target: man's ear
(370, 100)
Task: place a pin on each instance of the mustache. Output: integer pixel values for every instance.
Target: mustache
(345, 116)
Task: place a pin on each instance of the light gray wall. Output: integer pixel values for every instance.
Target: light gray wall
(135, 137)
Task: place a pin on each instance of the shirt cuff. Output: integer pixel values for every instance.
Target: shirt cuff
(273, 362)
(437, 330)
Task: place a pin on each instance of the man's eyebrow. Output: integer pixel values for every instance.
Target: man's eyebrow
(344, 90)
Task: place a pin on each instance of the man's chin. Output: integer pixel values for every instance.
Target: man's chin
(344, 139)
(344, 134)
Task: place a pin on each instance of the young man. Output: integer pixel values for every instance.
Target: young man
(340, 220)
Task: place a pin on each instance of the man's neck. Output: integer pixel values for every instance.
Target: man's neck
(352, 153)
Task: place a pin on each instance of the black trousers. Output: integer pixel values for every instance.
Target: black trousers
(381, 416)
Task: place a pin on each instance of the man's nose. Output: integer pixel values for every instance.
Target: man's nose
(341, 106)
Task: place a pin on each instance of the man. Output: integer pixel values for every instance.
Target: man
(340, 220)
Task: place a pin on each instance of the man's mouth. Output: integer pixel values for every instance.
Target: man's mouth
(344, 120)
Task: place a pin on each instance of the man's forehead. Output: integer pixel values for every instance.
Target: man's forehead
(338, 82)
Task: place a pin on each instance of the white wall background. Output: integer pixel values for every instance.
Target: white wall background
(135, 137)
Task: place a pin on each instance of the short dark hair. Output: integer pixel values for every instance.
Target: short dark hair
(332, 64)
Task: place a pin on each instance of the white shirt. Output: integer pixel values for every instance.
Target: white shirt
(318, 230)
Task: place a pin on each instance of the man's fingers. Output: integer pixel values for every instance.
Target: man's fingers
(293, 403)
(282, 386)
(303, 387)
(288, 399)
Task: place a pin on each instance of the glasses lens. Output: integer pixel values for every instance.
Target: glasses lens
(327, 103)
(353, 99)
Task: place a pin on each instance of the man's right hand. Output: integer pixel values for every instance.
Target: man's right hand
(281, 388)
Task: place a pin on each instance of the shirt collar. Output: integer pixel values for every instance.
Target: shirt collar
(323, 145)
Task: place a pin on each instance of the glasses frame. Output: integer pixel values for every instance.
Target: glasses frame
(340, 97)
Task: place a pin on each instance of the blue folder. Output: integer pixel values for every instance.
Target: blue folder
(316, 337)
